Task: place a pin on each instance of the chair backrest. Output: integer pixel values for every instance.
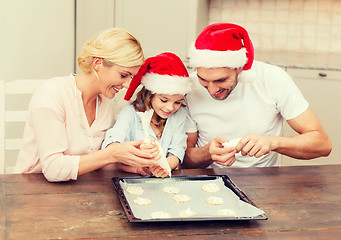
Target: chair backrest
(14, 99)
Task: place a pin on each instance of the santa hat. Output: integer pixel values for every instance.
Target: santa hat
(163, 74)
(223, 45)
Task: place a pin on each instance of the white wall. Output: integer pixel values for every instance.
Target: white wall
(36, 38)
(92, 17)
(36, 41)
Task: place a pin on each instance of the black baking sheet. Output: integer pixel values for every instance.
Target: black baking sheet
(161, 201)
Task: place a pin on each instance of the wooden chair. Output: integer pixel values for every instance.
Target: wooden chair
(14, 99)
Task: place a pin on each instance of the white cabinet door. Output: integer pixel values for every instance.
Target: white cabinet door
(322, 89)
(162, 25)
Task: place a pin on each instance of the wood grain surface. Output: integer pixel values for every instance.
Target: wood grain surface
(301, 202)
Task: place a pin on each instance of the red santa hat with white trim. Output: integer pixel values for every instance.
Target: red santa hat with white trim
(163, 74)
(223, 45)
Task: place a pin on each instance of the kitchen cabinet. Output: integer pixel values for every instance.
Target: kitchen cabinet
(321, 88)
(163, 25)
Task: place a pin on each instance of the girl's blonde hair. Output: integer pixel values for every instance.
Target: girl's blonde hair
(115, 46)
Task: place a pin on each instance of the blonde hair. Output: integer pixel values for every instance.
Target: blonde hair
(115, 46)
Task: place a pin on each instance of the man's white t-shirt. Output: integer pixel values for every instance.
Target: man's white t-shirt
(258, 107)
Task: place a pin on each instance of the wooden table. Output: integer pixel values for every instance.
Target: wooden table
(301, 202)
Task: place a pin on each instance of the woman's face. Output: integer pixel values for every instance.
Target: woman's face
(165, 105)
(113, 78)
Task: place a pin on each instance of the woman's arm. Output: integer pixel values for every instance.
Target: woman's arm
(52, 141)
(127, 153)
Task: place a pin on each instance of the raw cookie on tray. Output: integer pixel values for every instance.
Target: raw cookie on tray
(215, 200)
(135, 190)
(142, 201)
(182, 198)
(171, 190)
(210, 187)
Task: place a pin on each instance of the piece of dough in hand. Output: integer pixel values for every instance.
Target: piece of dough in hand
(233, 143)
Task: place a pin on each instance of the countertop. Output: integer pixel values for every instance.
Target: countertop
(287, 59)
(300, 203)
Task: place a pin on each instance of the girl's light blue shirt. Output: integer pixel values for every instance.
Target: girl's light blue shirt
(128, 127)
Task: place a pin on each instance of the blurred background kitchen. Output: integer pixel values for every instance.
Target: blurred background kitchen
(41, 39)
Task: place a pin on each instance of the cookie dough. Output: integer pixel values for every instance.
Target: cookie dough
(142, 201)
(160, 214)
(135, 190)
(182, 198)
(171, 190)
(210, 187)
(215, 200)
(187, 213)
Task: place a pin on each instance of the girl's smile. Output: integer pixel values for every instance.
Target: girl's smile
(165, 105)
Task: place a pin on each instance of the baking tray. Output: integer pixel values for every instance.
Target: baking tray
(234, 199)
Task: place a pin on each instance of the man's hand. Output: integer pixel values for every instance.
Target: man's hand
(254, 145)
(221, 155)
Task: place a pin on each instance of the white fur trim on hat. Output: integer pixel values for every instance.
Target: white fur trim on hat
(214, 59)
(166, 84)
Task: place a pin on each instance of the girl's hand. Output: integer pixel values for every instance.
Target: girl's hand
(139, 170)
(158, 171)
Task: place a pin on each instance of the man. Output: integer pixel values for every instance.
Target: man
(239, 99)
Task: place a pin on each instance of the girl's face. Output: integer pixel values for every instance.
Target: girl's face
(113, 78)
(165, 105)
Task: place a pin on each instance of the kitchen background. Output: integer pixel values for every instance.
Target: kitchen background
(293, 25)
(42, 38)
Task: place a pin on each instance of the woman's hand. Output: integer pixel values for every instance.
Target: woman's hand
(150, 147)
(129, 153)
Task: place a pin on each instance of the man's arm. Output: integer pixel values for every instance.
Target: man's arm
(311, 142)
(196, 157)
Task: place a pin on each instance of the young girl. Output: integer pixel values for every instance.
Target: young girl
(165, 81)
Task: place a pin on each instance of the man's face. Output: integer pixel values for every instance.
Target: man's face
(219, 82)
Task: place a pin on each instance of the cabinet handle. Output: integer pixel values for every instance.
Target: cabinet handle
(322, 74)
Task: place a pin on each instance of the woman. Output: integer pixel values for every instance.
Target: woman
(68, 116)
